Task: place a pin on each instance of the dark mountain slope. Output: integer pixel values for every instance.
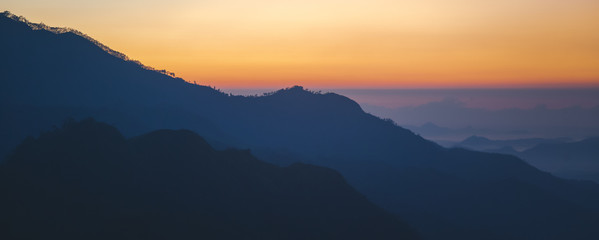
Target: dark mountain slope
(392, 166)
(86, 181)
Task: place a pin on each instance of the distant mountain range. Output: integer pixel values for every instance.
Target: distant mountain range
(575, 160)
(443, 193)
(86, 181)
(560, 156)
(484, 144)
(458, 120)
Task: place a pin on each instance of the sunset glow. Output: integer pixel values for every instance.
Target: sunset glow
(333, 43)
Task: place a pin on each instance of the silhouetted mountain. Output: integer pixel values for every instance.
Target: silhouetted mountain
(86, 181)
(577, 160)
(445, 193)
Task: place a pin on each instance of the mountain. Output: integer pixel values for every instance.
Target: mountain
(577, 160)
(444, 193)
(85, 180)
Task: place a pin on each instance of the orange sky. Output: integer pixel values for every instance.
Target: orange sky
(335, 43)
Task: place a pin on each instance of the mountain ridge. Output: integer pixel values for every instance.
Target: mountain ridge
(62, 30)
(575, 160)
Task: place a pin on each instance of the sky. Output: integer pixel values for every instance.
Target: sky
(345, 44)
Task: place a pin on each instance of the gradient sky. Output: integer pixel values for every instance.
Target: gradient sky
(335, 43)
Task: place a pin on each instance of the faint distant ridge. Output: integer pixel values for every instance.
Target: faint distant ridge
(575, 160)
(477, 140)
(485, 144)
(62, 30)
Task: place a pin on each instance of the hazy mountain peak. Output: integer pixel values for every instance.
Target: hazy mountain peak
(476, 139)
